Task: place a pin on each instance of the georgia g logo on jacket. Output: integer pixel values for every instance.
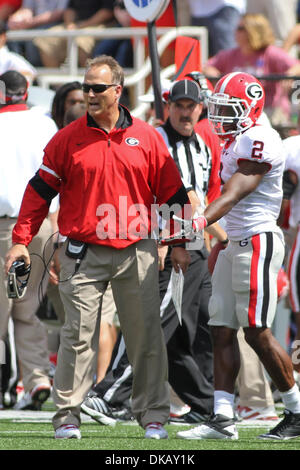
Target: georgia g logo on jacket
(132, 141)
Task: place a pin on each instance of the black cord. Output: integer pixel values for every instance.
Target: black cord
(46, 268)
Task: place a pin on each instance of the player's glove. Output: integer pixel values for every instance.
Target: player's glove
(190, 229)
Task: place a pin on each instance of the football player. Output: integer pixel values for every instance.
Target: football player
(291, 213)
(244, 282)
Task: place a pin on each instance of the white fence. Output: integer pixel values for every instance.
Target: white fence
(135, 77)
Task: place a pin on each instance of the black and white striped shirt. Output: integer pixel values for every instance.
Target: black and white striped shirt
(192, 157)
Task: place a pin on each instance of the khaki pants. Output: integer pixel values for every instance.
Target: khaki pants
(133, 273)
(30, 333)
(57, 46)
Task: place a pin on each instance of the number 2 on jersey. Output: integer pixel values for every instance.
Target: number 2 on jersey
(257, 149)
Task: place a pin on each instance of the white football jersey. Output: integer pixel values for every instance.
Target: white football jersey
(291, 147)
(257, 212)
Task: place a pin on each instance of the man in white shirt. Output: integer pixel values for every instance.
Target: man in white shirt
(24, 134)
(11, 61)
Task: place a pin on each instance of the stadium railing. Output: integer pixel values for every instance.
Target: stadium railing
(134, 77)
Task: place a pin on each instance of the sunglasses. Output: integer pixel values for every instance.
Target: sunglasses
(96, 88)
(241, 28)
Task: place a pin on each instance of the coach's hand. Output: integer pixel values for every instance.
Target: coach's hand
(16, 252)
(180, 258)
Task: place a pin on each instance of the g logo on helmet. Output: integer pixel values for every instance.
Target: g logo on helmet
(254, 91)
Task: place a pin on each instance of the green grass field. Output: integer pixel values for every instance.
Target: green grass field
(32, 431)
(30, 434)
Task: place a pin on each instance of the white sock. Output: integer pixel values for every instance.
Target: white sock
(291, 399)
(224, 403)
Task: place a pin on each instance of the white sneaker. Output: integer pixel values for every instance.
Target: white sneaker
(262, 414)
(33, 400)
(67, 431)
(155, 431)
(217, 427)
(178, 410)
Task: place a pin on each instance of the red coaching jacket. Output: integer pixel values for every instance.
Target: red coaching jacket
(107, 183)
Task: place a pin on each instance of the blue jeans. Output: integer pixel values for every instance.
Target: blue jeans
(120, 49)
(221, 28)
(27, 49)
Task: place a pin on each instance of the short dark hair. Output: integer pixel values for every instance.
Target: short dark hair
(3, 27)
(15, 83)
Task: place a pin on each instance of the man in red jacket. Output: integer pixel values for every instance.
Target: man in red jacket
(110, 169)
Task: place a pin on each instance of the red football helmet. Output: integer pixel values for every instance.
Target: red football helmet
(236, 104)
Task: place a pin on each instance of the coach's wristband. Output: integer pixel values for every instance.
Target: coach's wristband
(224, 242)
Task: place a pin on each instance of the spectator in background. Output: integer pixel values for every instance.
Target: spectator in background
(221, 18)
(8, 7)
(282, 15)
(292, 39)
(66, 96)
(78, 15)
(11, 61)
(120, 49)
(256, 54)
(35, 14)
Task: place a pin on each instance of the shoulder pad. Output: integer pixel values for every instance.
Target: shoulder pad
(259, 143)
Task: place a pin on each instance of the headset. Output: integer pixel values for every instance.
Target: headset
(16, 287)
(18, 277)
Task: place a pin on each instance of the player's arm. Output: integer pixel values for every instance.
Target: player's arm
(244, 181)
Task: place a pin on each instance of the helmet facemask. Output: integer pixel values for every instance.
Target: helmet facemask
(227, 115)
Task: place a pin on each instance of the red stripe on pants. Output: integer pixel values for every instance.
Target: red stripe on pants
(253, 280)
